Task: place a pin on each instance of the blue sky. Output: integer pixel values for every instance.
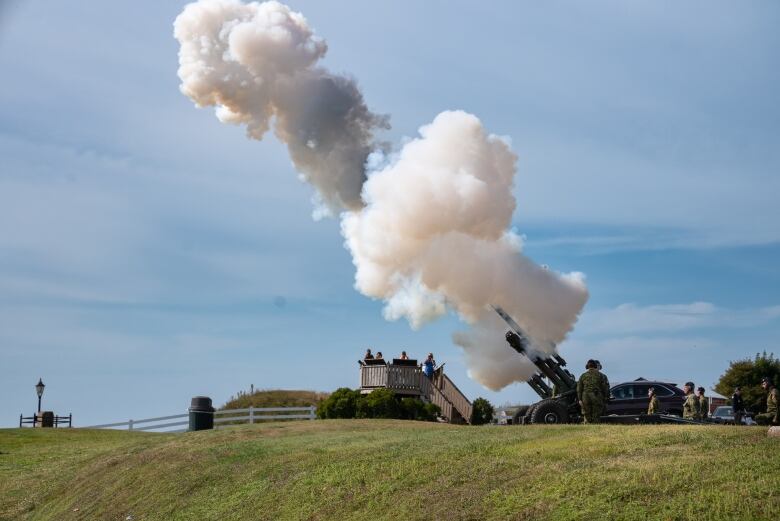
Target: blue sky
(149, 253)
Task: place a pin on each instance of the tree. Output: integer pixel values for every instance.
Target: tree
(343, 403)
(747, 374)
(481, 412)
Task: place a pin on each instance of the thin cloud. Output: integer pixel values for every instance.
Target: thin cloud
(631, 318)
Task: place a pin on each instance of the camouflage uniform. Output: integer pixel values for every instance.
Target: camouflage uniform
(704, 407)
(604, 392)
(771, 414)
(691, 407)
(652, 408)
(590, 393)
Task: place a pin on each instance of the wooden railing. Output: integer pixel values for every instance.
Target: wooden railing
(436, 397)
(395, 377)
(454, 395)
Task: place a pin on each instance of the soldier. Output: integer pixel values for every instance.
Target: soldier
(737, 405)
(704, 404)
(604, 388)
(590, 393)
(652, 407)
(771, 414)
(691, 404)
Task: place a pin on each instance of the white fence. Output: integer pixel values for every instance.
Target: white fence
(229, 416)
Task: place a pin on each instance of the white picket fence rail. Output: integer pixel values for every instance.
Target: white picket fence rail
(232, 416)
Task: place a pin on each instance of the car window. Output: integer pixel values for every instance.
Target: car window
(660, 391)
(640, 390)
(723, 411)
(623, 392)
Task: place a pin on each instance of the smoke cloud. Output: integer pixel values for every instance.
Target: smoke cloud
(257, 63)
(435, 235)
(429, 231)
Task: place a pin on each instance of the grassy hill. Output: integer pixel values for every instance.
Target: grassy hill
(353, 469)
(274, 398)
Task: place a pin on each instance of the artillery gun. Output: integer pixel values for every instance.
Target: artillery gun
(558, 403)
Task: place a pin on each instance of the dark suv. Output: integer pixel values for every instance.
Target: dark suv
(631, 398)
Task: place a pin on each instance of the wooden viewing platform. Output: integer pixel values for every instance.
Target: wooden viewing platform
(409, 380)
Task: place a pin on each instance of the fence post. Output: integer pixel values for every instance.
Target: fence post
(311, 412)
(130, 425)
(251, 414)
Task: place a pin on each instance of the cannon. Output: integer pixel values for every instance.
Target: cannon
(558, 403)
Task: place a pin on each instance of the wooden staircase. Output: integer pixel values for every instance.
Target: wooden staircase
(454, 405)
(411, 381)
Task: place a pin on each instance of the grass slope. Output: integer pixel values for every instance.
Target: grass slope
(275, 398)
(352, 469)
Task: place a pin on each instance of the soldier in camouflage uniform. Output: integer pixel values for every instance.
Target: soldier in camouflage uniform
(590, 393)
(604, 388)
(652, 407)
(772, 414)
(691, 404)
(704, 404)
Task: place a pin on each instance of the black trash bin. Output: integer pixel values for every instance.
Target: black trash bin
(201, 414)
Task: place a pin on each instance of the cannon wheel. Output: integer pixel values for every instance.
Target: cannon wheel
(549, 411)
(517, 419)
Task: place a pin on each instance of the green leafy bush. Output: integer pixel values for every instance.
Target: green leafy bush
(343, 403)
(432, 411)
(379, 403)
(416, 409)
(481, 412)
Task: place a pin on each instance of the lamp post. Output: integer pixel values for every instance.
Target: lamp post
(39, 389)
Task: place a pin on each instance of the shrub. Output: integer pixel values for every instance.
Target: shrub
(379, 403)
(343, 403)
(432, 411)
(412, 409)
(481, 412)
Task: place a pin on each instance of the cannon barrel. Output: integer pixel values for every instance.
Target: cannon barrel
(541, 388)
(551, 367)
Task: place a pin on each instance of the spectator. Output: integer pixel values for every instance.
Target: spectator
(429, 365)
(737, 405)
(368, 356)
(379, 355)
(404, 356)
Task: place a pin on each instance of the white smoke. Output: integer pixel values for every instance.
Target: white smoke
(428, 232)
(257, 62)
(435, 234)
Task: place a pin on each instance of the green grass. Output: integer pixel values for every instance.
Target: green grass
(353, 469)
(275, 398)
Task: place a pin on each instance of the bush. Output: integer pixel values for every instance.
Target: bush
(379, 403)
(343, 403)
(432, 411)
(416, 409)
(481, 412)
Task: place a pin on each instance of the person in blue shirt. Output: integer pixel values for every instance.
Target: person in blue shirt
(429, 365)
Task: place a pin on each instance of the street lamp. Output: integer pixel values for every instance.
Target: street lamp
(39, 389)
